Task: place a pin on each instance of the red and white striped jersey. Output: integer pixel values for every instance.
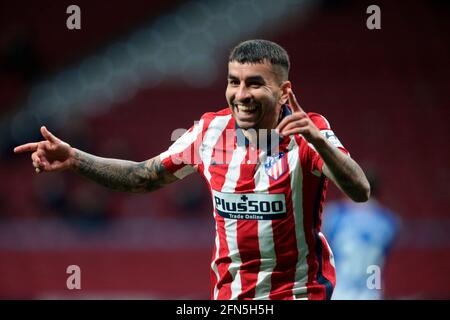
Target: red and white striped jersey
(267, 209)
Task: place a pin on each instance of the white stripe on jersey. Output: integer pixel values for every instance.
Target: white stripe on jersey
(184, 141)
(212, 135)
(180, 145)
(265, 238)
(229, 185)
(301, 273)
(209, 141)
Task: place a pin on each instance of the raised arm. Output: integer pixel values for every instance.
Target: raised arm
(54, 154)
(339, 167)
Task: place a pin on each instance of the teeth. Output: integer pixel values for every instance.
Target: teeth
(246, 108)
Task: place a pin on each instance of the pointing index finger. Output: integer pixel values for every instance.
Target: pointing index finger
(293, 102)
(26, 147)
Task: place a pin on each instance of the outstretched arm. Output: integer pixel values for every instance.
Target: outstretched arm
(123, 175)
(340, 168)
(54, 154)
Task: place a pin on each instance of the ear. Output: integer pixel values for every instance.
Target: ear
(285, 86)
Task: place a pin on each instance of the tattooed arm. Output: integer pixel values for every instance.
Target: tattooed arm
(53, 154)
(123, 175)
(344, 172)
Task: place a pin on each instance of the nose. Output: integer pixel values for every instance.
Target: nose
(243, 95)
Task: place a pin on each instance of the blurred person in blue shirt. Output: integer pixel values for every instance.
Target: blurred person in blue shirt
(361, 236)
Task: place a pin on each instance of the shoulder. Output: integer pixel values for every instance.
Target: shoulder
(223, 115)
(209, 116)
(212, 120)
(319, 120)
(214, 114)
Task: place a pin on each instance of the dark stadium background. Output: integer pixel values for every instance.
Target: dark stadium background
(137, 70)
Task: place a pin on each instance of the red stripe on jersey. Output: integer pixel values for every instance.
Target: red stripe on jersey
(223, 262)
(284, 236)
(315, 290)
(218, 173)
(319, 120)
(328, 270)
(308, 227)
(247, 235)
(190, 153)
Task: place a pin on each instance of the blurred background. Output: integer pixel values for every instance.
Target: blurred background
(137, 70)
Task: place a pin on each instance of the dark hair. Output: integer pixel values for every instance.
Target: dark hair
(258, 51)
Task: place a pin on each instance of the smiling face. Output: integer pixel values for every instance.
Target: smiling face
(255, 94)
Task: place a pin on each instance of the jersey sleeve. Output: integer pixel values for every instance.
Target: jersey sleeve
(182, 158)
(323, 125)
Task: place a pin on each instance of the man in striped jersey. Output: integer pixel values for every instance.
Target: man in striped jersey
(267, 165)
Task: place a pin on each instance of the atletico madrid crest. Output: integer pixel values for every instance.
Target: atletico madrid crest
(276, 166)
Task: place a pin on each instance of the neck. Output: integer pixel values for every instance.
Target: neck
(254, 134)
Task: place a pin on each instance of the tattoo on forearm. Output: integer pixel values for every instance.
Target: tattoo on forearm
(346, 174)
(123, 175)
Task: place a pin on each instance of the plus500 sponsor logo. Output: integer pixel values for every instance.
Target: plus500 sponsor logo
(250, 206)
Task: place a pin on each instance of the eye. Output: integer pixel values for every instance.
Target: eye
(233, 82)
(255, 85)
